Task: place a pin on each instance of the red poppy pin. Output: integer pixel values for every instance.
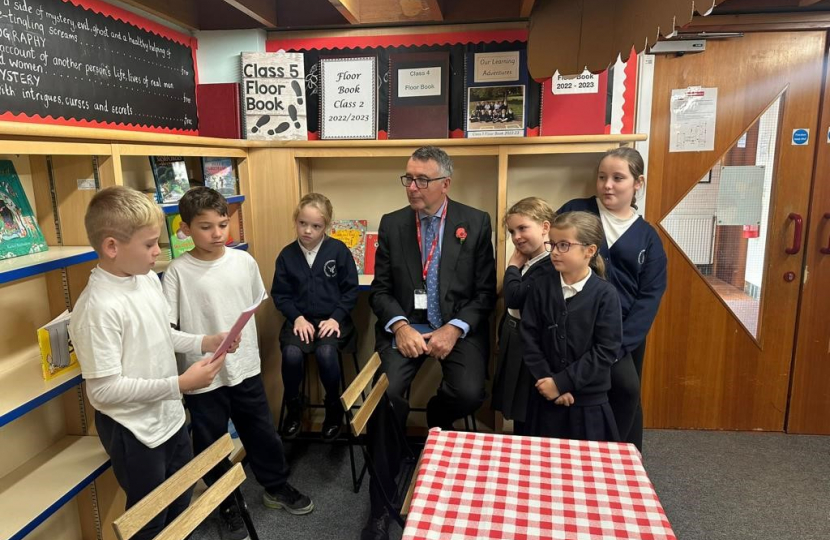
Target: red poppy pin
(461, 234)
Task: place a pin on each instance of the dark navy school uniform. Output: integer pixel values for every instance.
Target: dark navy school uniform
(326, 290)
(636, 266)
(513, 383)
(574, 341)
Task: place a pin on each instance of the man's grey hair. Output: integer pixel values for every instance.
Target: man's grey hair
(427, 153)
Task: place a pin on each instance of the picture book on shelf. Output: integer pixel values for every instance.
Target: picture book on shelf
(19, 231)
(218, 175)
(57, 355)
(371, 249)
(352, 232)
(170, 173)
(179, 241)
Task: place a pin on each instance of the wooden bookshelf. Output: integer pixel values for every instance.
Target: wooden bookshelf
(39, 263)
(36, 490)
(22, 387)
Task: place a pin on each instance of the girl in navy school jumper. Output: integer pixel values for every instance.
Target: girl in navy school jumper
(528, 222)
(571, 331)
(636, 266)
(315, 287)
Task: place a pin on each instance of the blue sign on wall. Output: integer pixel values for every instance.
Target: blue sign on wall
(801, 136)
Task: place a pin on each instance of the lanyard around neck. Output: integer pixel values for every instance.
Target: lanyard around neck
(434, 240)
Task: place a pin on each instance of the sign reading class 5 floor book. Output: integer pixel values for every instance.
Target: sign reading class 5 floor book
(19, 232)
(273, 96)
(170, 173)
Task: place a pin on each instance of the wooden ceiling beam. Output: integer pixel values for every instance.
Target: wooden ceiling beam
(434, 9)
(183, 14)
(526, 8)
(350, 9)
(805, 3)
(262, 11)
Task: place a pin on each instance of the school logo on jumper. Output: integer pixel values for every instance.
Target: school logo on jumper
(330, 268)
(641, 258)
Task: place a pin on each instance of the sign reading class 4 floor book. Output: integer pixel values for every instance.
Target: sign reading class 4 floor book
(352, 232)
(170, 173)
(19, 231)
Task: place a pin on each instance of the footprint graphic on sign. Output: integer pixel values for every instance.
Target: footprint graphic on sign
(279, 129)
(260, 123)
(297, 90)
(292, 112)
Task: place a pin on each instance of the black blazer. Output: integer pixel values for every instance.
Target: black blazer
(466, 275)
(575, 342)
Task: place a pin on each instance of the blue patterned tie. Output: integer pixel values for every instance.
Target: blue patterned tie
(433, 305)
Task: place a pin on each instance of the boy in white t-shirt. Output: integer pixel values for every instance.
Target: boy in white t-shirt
(207, 288)
(126, 349)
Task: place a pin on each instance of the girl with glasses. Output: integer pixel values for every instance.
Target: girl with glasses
(636, 266)
(528, 222)
(571, 331)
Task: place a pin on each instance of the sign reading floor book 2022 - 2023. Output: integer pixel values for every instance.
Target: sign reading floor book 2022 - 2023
(80, 61)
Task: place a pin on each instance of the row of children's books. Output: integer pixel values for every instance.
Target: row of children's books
(172, 179)
(362, 243)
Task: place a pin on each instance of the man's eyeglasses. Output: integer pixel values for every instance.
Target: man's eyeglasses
(421, 183)
(563, 246)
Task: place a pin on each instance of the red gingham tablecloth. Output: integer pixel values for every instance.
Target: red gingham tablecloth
(484, 486)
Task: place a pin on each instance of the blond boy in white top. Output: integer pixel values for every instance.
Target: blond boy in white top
(126, 348)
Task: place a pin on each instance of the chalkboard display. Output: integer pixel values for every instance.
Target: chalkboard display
(86, 67)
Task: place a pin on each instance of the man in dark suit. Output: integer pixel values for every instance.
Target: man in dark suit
(434, 273)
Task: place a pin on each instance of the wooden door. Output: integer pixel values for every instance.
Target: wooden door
(809, 410)
(706, 367)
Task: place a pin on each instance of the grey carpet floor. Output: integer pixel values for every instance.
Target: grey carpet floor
(740, 486)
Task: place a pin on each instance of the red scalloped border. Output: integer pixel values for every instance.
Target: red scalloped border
(395, 40)
(73, 122)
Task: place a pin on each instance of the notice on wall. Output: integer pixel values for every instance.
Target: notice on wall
(693, 117)
(349, 98)
(585, 83)
(94, 65)
(273, 96)
(497, 67)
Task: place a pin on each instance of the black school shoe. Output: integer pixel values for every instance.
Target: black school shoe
(288, 499)
(233, 527)
(333, 424)
(293, 423)
(377, 528)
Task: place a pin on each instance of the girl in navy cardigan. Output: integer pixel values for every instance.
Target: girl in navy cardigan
(315, 287)
(636, 266)
(528, 222)
(572, 332)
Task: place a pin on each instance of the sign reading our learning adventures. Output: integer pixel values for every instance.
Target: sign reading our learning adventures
(273, 96)
(84, 62)
(585, 83)
(348, 104)
(497, 67)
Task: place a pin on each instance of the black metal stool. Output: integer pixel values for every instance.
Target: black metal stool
(346, 435)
